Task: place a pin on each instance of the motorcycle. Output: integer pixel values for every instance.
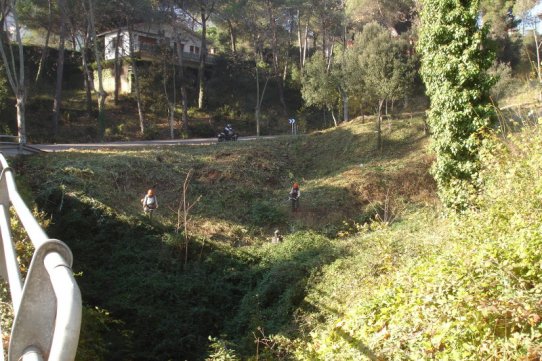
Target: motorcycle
(222, 137)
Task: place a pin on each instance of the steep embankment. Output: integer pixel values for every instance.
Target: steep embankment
(429, 289)
(150, 295)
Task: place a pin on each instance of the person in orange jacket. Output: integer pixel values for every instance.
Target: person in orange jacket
(294, 195)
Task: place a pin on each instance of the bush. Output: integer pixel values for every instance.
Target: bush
(279, 285)
(506, 85)
(201, 129)
(472, 293)
(264, 213)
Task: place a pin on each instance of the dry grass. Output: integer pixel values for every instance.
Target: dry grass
(342, 178)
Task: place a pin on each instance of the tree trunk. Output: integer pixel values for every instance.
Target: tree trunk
(379, 125)
(259, 99)
(275, 50)
(21, 120)
(257, 116)
(101, 93)
(538, 69)
(173, 106)
(59, 68)
(140, 114)
(324, 41)
(345, 105)
(16, 74)
(299, 42)
(170, 102)
(286, 55)
(170, 117)
(184, 97)
(89, 82)
(117, 68)
(257, 108)
(305, 44)
(136, 85)
(329, 60)
(45, 50)
(202, 58)
(334, 118)
(233, 37)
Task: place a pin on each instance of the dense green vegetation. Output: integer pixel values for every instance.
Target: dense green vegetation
(143, 302)
(455, 59)
(463, 289)
(373, 266)
(392, 280)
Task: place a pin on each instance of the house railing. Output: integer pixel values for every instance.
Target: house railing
(154, 50)
(47, 306)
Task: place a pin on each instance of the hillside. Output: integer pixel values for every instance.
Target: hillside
(368, 269)
(339, 172)
(466, 288)
(133, 273)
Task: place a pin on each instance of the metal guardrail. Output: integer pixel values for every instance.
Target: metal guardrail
(47, 306)
(14, 138)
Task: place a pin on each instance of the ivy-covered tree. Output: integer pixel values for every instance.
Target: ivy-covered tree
(455, 59)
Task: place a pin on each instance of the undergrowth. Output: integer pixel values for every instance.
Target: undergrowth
(149, 295)
(464, 290)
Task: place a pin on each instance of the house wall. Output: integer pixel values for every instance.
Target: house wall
(145, 35)
(110, 44)
(108, 79)
(191, 43)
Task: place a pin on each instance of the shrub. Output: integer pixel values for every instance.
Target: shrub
(201, 129)
(220, 350)
(505, 84)
(264, 213)
(472, 293)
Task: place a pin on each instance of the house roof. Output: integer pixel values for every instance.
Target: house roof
(137, 27)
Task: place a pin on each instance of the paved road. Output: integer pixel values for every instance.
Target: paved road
(132, 144)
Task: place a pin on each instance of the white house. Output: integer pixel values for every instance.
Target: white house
(147, 40)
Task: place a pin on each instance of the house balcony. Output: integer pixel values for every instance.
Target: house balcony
(152, 52)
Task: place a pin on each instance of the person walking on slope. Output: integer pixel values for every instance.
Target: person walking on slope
(294, 195)
(150, 202)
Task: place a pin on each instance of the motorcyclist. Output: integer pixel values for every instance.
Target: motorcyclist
(228, 130)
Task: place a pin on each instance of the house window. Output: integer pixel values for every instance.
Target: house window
(197, 50)
(147, 40)
(182, 47)
(191, 48)
(147, 43)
